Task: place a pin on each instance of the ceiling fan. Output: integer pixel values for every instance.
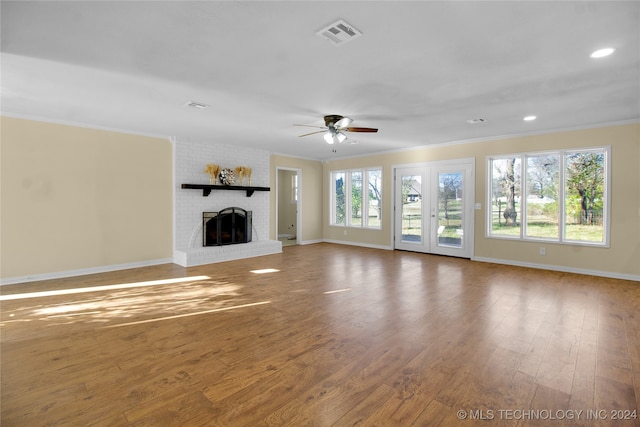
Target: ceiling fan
(334, 127)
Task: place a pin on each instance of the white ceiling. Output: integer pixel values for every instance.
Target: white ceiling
(420, 70)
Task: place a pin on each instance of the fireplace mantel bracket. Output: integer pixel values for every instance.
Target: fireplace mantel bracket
(206, 188)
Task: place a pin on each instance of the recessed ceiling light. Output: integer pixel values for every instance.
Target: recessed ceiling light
(529, 118)
(601, 53)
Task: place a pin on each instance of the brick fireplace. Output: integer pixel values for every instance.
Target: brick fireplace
(190, 158)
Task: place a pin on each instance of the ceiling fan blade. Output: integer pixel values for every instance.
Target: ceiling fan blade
(343, 123)
(312, 133)
(311, 126)
(358, 129)
(335, 125)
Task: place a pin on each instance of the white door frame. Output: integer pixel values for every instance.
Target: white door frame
(298, 204)
(468, 165)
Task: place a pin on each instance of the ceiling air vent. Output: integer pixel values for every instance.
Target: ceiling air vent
(196, 105)
(339, 33)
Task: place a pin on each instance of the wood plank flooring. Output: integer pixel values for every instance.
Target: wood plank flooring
(337, 336)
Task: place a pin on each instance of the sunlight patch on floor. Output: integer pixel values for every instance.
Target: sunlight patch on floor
(235, 307)
(101, 288)
(337, 291)
(151, 302)
(144, 300)
(265, 270)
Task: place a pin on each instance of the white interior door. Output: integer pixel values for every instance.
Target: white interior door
(434, 208)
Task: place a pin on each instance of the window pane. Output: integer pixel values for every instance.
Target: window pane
(356, 198)
(294, 188)
(374, 199)
(450, 210)
(411, 208)
(542, 196)
(505, 196)
(584, 196)
(338, 199)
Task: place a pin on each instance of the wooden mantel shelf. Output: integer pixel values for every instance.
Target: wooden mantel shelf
(206, 188)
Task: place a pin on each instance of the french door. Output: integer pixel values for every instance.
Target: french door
(434, 208)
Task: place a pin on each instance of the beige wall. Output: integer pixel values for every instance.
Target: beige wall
(76, 198)
(623, 255)
(310, 194)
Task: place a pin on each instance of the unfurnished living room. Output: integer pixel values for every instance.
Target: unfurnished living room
(318, 213)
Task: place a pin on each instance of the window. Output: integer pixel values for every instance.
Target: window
(294, 188)
(542, 176)
(374, 198)
(557, 196)
(356, 197)
(338, 200)
(505, 196)
(585, 196)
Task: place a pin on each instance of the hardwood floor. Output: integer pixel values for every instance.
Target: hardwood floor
(338, 336)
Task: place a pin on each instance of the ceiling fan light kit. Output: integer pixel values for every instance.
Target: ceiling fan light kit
(332, 137)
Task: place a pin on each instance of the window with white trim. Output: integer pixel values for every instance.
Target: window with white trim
(560, 196)
(356, 197)
(294, 188)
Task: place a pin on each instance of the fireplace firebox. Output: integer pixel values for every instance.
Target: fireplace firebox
(229, 226)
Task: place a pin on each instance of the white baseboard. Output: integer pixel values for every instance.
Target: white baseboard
(311, 242)
(363, 245)
(108, 268)
(564, 269)
(83, 271)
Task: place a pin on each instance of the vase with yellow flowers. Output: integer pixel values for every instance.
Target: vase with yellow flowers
(213, 171)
